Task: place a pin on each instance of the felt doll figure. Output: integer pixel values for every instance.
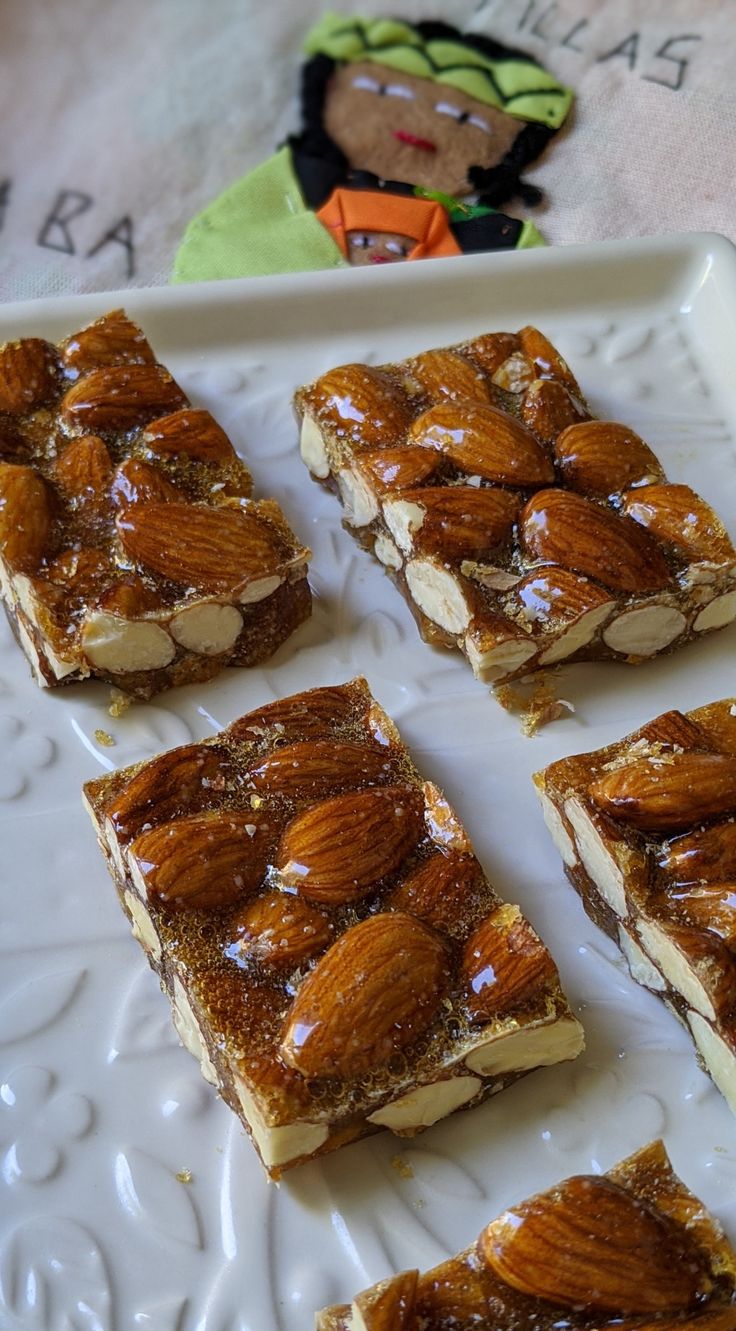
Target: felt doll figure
(412, 136)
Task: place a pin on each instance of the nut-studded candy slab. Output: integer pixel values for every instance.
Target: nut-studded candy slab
(632, 1249)
(333, 953)
(647, 833)
(519, 529)
(130, 548)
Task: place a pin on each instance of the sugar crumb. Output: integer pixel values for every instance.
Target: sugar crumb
(107, 741)
(535, 702)
(403, 1169)
(184, 1175)
(119, 702)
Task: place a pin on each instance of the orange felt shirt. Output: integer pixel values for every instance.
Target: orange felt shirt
(423, 220)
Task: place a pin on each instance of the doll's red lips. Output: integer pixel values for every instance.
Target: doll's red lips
(414, 141)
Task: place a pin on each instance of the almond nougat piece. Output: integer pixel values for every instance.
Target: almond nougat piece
(334, 955)
(647, 833)
(130, 547)
(631, 1249)
(519, 529)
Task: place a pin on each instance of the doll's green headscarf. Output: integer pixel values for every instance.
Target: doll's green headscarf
(521, 88)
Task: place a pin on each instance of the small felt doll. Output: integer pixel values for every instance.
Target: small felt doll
(413, 135)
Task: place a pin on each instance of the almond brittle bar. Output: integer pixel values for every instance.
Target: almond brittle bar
(130, 547)
(632, 1250)
(519, 529)
(333, 953)
(647, 833)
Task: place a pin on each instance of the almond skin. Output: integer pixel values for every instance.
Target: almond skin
(309, 715)
(81, 571)
(281, 931)
(191, 433)
(439, 890)
(361, 405)
(547, 359)
(184, 780)
(463, 521)
(338, 850)
(674, 728)
(28, 375)
(391, 469)
(580, 535)
(83, 471)
(129, 597)
(548, 408)
(601, 458)
(212, 549)
(555, 596)
(205, 861)
(137, 482)
(589, 1245)
(491, 350)
(668, 795)
(317, 767)
(444, 374)
(505, 965)
(119, 397)
(373, 993)
(710, 960)
(25, 517)
(677, 515)
(112, 340)
(483, 442)
(708, 855)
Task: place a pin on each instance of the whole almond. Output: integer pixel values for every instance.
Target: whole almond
(673, 728)
(491, 350)
(361, 405)
(184, 780)
(445, 374)
(554, 597)
(309, 715)
(205, 860)
(484, 442)
(389, 1306)
(112, 340)
(463, 521)
(28, 375)
(442, 889)
(137, 482)
(677, 515)
(709, 960)
(13, 447)
(119, 397)
(340, 849)
(579, 534)
(547, 360)
(454, 1294)
(548, 408)
(212, 549)
(191, 433)
(705, 856)
(25, 517)
(505, 966)
(311, 768)
(83, 471)
(602, 458)
(373, 993)
(391, 469)
(591, 1246)
(668, 794)
(129, 597)
(280, 931)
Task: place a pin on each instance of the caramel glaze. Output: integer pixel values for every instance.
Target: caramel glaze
(84, 558)
(241, 999)
(464, 1293)
(691, 891)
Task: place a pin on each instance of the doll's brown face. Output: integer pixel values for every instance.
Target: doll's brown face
(400, 127)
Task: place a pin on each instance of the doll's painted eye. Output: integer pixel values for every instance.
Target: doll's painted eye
(480, 123)
(367, 84)
(397, 247)
(448, 109)
(359, 240)
(399, 90)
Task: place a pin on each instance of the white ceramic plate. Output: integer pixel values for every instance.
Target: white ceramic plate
(102, 1115)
